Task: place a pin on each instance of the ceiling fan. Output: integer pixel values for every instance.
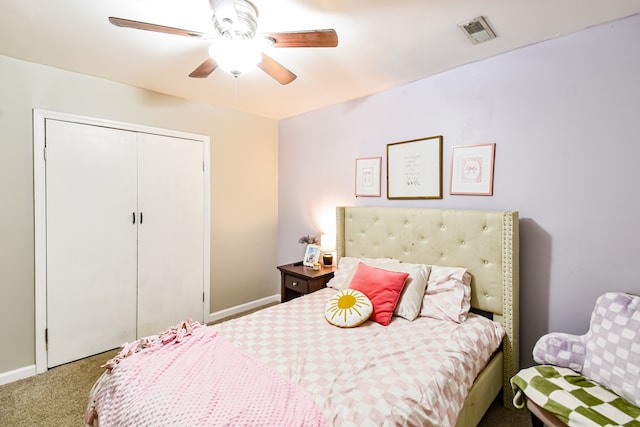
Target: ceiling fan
(234, 40)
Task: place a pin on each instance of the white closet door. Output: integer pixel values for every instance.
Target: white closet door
(91, 240)
(171, 232)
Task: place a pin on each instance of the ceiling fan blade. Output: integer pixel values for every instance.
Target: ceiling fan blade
(127, 23)
(204, 69)
(311, 38)
(276, 70)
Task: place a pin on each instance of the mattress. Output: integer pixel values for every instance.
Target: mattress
(407, 373)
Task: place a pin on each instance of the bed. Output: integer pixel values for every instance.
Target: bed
(288, 361)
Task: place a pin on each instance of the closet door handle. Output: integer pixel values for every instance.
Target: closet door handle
(133, 214)
(140, 217)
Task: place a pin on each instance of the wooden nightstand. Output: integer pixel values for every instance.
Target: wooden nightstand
(298, 280)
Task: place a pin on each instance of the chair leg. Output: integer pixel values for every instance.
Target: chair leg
(535, 421)
(540, 417)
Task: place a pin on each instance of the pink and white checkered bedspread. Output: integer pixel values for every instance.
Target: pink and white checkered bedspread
(203, 380)
(409, 373)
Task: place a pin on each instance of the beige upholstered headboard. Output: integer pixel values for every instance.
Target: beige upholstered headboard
(485, 242)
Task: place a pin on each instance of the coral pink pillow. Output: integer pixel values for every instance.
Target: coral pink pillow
(347, 268)
(382, 287)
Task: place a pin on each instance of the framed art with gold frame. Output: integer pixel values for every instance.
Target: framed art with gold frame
(414, 169)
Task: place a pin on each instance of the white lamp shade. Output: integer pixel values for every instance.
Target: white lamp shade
(236, 56)
(328, 242)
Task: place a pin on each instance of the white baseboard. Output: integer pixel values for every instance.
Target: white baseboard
(17, 374)
(29, 371)
(242, 308)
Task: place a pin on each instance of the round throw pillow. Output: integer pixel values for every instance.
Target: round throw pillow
(348, 308)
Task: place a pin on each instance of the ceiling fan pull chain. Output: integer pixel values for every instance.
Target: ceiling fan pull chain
(235, 90)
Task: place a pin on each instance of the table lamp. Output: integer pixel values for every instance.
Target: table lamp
(327, 246)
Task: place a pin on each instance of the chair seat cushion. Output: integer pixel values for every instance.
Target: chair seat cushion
(572, 398)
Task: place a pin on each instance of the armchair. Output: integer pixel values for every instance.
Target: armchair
(591, 379)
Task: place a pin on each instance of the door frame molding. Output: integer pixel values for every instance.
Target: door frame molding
(40, 218)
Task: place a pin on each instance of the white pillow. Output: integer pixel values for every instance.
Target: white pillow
(347, 268)
(448, 294)
(414, 288)
(348, 308)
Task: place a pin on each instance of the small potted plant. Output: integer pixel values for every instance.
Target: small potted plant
(309, 240)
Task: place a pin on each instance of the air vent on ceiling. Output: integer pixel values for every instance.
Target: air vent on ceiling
(478, 30)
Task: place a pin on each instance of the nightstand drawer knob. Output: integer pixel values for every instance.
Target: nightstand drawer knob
(294, 284)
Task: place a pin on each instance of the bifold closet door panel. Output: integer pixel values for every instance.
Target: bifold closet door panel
(91, 239)
(170, 233)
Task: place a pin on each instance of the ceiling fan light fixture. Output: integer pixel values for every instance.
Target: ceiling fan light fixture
(236, 56)
(242, 24)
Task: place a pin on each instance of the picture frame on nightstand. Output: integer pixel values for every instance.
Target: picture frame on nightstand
(311, 255)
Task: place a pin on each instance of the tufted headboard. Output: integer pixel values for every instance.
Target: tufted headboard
(484, 242)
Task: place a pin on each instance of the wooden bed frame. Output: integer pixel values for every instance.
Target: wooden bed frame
(485, 242)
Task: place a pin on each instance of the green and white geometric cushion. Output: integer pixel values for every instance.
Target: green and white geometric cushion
(572, 398)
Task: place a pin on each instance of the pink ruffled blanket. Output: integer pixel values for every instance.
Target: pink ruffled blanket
(191, 376)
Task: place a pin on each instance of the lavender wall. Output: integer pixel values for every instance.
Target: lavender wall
(565, 115)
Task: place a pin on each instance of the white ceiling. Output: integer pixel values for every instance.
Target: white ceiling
(382, 43)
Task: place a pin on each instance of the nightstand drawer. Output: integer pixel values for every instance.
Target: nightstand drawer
(297, 280)
(296, 284)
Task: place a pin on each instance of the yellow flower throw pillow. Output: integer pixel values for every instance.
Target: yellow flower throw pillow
(348, 308)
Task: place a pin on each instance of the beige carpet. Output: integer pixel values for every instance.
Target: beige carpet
(56, 398)
(59, 397)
